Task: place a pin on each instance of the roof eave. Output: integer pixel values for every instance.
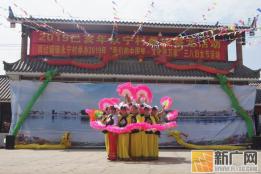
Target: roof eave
(5, 101)
(128, 76)
(120, 23)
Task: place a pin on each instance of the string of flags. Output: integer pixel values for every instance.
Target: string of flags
(78, 26)
(212, 7)
(41, 25)
(116, 18)
(115, 11)
(147, 14)
(209, 9)
(200, 37)
(37, 25)
(28, 26)
(199, 40)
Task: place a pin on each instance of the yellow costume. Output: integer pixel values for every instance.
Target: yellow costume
(103, 120)
(149, 140)
(156, 137)
(157, 118)
(155, 146)
(123, 140)
(106, 143)
(135, 138)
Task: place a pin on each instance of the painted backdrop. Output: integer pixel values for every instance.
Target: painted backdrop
(205, 111)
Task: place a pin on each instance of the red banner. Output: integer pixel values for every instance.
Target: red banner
(75, 44)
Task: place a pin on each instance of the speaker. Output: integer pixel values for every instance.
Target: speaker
(9, 142)
(256, 140)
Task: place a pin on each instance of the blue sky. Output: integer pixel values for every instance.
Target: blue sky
(176, 11)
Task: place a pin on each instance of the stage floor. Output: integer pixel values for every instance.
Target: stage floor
(92, 161)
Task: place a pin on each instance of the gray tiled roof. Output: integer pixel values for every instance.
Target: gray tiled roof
(108, 22)
(131, 66)
(5, 95)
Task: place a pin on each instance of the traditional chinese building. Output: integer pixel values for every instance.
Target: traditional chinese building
(102, 52)
(90, 57)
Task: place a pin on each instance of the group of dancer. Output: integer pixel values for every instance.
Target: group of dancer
(132, 127)
(138, 144)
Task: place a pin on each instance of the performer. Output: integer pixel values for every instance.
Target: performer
(136, 135)
(103, 121)
(156, 114)
(141, 143)
(147, 137)
(155, 136)
(112, 119)
(123, 140)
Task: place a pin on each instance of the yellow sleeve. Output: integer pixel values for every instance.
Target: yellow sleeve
(142, 119)
(129, 119)
(153, 120)
(139, 119)
(157, 118)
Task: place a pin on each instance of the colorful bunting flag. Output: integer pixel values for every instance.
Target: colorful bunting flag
(149, 11)
(77, 25)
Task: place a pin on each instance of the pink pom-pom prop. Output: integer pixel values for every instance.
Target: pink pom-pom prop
(140, 126)
(104, 103)
(126, 89)
(166, 102)
(171, 116)
(143, 92)
(162, 127)
(97, 125)
(115, 100)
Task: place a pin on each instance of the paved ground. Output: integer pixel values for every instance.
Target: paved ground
(89, 161)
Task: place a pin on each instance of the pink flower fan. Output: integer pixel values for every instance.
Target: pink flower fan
(166, 102)
(172, 115)
(115, 100)
(105, 102)
(126, 89)
(97, 125)
(143, 92)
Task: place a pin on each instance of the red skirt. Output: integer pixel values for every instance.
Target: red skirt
(113, 138)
